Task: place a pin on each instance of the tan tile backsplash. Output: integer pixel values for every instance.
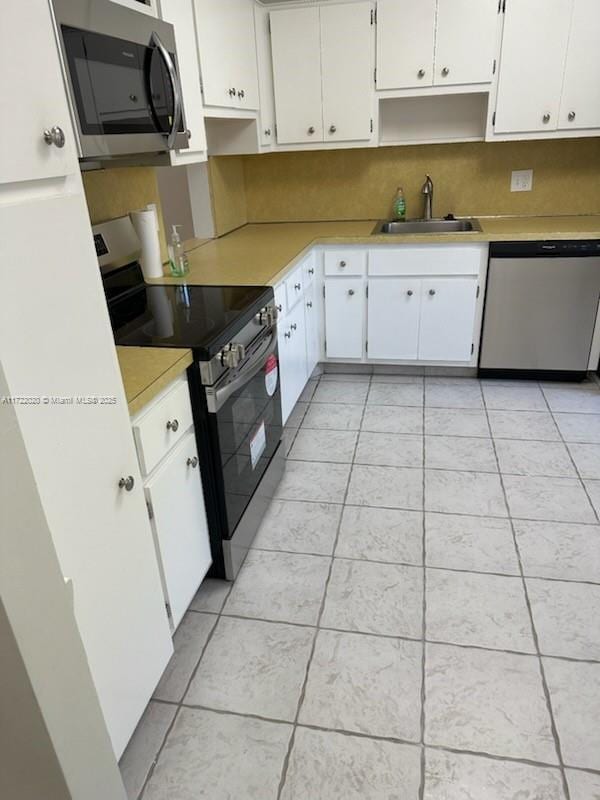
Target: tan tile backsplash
(228, 193)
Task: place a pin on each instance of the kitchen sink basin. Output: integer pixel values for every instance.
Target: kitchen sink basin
(428, 226)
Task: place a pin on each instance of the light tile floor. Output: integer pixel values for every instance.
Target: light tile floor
(419, 618)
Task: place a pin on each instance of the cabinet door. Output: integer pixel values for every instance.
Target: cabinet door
(393, 318)
(180, 13)
(179, 525)
(266, 133)
(345, 318)
(296, 51)
(292, 358)
(242, 53)
(80, 450)
(580, 103)
(534, 45)
(347, 71)
(447, 318)
(464, 42)
(405, 37)
(313, 328)
(33, 96)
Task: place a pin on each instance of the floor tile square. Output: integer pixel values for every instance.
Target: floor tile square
(189, 640)
(206, 757)
(389, 449)
(314, 480)
(253, 667)
(457, 776)
(523, 425)
(295, 418)
(454, 422)
(285, 587)
(351, 377)
(487, 702)
(334, 446)
(342, 392)
(365, 684)
(583, 785)
(211, 595)
(393, 419)
(299, 527)
(470, 543)
(476, 493)
(586, 458)
(554, 499)
(566, 618)
(593, 490)
(579, 427)
(559, 550)
(369, 597)
(381, 534)
(386, 487)
(479, 610)
(573, 398)
(453, 452)
(335, 766)
(575, 697)
(140, 753)
(550, 459)
(513, 398)
(333, 416)
(396, 394)
(453, 394)
(381, 377)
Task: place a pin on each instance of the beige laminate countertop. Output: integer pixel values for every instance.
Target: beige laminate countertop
(260, 254)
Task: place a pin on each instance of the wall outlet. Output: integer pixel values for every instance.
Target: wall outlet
(521, 180)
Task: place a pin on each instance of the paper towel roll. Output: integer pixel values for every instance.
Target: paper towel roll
(145, 223)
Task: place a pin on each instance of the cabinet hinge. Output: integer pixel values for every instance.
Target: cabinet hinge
(372, 17)
(494, 67)
(169, 614)
(323, 290)
(269, 23)
(371, 126)
(504, 6)
(150, 509)
(367, 290)
(375, 76)
(477, 293)
(367, 346)
(472, 347)
(325, 346)
(275, 130)
(499, 6)
(494, 118)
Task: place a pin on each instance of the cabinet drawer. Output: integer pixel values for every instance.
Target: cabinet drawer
(345, 262)
(294, 287)
(162, 425)
(460, 259)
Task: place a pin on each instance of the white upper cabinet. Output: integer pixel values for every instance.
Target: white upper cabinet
(580, 104)
(225, 31)
(435, 42)
(534, 47)
(347, 71)
(465, 38)
(405, 43)
(323, 73)
(265, 76)
(33, 98)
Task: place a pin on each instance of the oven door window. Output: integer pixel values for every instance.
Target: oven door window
(249, 430)
(119, 87)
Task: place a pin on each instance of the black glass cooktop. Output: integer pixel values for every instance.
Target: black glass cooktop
(203, 318)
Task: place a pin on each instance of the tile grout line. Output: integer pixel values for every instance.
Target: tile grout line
(287, 758)
(542, 672)
(424, 613)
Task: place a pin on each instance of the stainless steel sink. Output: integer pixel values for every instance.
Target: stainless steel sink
(428, 226)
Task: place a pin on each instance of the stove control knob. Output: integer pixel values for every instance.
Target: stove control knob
(232, 355)
(267, 316)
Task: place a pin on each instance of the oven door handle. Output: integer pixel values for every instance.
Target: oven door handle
(216, 398)
(175, 85)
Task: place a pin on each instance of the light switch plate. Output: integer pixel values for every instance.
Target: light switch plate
(521, 180)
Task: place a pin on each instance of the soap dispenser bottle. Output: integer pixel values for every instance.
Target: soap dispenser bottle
(399, 205)
(178, 260)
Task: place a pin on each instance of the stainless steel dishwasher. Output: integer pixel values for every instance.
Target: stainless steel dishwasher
(540, 309)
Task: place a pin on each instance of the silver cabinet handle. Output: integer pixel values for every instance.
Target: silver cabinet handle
(293, 326)
(421, 73)
(342, 263)
(127, 483)
(350, 292)
(297, 286)
(192, 462)
(309, 304)
(410, 293)
(287, 335)
(432, 292)
(571, 116)
(311, 130)
(55, 136)
(232, 92)
(267, 131)
(176, 87)
(332, 129)
(311, 271)
(173, 425)
(546, 118)
(279, 307)
(241, 94)
(445, 71)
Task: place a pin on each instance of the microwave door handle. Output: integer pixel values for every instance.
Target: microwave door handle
(176, 86)
(216, 398)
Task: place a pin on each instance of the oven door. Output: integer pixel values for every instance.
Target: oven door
(124, 88)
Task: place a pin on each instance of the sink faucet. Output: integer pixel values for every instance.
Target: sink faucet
(427, 190)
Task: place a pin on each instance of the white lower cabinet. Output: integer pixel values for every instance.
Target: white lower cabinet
(345, 318)
(292, 358)
(393, 318)
(176, 506)
(313, 328)
(447, 316)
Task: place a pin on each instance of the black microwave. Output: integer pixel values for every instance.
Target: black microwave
(121, 72)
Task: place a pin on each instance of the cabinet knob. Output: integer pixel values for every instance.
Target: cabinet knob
(173, 425)
(297, 286)
(287, 335)
(293, 326)
(188, 133)
(546, 118)
(192, 462)
(232, 92)
(309, 304)
(332, 129)
(432, 292)
(571, 116)
(127, 483)
(342, 264)
(311, 130)
(445, 72)
(241, 94)
(267, 131)
(279, 307)
(350, 292)
(421, 73)
(55, 136)
(410, 293)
